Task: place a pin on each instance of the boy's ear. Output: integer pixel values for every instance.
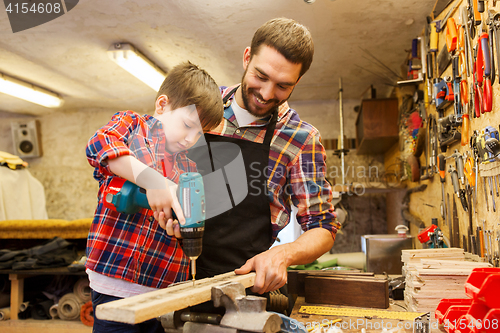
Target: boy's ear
(161, 104)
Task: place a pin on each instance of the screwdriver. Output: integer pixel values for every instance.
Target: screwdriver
(471, 177)
(442, 175)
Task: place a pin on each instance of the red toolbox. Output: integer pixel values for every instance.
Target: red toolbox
(480, 313)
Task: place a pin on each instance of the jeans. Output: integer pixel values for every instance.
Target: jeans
(104, 326)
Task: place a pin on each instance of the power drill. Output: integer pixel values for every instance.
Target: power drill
(125, 197)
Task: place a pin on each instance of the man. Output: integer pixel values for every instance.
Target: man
(284, 162)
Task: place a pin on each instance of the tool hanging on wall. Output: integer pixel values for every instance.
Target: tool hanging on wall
(432, 146)
(474, 18)
(470, 174)
(451, 35)
(476, 158)
(469, 185)
(432, 236)
(478, 6)
(464, 41)
(491, 31)
(478, 77)
(487, 90)
(460, 193)
(442, 178)
(440, 24)
(457, 78)
(433, 48)
(495, 25)
(444, 93)
(448, 131)
(456, 226)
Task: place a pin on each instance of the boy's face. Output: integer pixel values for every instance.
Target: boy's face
(181, 126)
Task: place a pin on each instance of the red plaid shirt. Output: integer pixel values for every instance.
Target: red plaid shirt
(133, 247)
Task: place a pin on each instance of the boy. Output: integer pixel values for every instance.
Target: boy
(130, 254)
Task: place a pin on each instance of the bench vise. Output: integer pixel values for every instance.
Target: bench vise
(243, 314)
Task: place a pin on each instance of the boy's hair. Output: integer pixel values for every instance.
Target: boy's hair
(187, 84)
(288, 37)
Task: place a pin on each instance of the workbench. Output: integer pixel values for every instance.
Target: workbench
(352, 324)
(17, 277)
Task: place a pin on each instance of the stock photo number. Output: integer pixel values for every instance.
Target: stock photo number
(27, 14)
(33, 7)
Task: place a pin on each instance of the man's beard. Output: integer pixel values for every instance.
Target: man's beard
(274, 103)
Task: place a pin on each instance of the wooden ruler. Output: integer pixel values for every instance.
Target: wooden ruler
(358, 312)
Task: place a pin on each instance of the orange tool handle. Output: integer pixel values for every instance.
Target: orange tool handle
(464, 93)
(469, 172)
(477, 15)
(465, 129)
(442, 167)
(461, 38)
(451, 35)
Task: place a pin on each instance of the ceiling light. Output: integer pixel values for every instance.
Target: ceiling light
(137, 64)
(29, 92)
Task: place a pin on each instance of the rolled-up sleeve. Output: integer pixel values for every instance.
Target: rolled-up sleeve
(110, 141)
(312, 193)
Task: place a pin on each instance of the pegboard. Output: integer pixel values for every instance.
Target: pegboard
(427, 204)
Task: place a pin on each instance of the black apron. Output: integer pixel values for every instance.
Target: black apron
(243, 231)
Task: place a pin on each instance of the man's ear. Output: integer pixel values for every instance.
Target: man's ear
(161, 104)
(246, 57)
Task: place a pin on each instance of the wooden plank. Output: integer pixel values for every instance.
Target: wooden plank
(433, 263)
(137, 309)
(369, 293)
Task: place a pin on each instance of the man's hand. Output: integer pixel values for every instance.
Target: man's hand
(270, 267)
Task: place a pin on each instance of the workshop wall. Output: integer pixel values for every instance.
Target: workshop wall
(426, 204)
(70, 189)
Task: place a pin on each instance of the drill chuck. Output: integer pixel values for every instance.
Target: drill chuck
(192, 246)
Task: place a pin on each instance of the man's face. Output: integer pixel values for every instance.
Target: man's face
(268, 80)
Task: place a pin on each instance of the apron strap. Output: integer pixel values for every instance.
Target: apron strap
(272, 122)
(228, 96)
(270, 129)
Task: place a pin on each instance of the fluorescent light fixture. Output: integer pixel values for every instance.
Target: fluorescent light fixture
(138, 65)
(29, 92)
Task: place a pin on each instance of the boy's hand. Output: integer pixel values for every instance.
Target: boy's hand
(172, 227)
(162, 201)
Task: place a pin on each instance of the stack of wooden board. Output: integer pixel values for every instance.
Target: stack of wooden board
(434, 274)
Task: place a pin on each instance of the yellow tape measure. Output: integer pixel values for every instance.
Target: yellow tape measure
(349, 312)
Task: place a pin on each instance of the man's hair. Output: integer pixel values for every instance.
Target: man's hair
(187, 84)
(288, 37)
